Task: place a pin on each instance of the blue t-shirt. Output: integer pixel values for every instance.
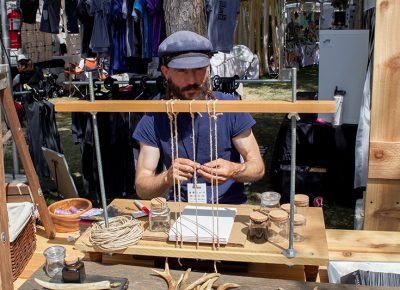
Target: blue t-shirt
(154, 130)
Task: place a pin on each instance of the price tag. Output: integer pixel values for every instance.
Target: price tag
(200, 192)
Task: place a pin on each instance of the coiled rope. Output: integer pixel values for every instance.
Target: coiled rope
(122, 232)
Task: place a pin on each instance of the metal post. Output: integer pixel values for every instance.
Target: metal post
(291, 252)
(6, 53)
(98, 152)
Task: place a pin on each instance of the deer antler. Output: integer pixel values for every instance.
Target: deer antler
(166, 275)
(226, 286)
(202, 280)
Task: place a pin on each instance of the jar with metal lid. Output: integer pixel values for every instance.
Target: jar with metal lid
(299, 223)
(278, 226)
(159, 217)
(286, 207)
(269, 201)
(73, 271)
(258, 227)
(302, 203)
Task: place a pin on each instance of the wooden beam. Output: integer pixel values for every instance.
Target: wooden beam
(382, 205)
(6, 278)
(25, 157)
(382, 195)
(384, 160)
(198, 106)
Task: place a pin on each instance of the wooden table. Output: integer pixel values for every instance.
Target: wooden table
(312, 252)
(141, 278)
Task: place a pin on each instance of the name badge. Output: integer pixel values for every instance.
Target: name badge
(199, 195)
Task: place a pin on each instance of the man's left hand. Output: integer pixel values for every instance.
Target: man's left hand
(219, 169)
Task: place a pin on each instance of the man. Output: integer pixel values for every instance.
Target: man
(28, 73)
(185, 59)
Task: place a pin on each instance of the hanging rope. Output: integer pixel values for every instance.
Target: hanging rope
(171, 119)
(195, 171)
(122, 232)
(177, 156)
(215, 117)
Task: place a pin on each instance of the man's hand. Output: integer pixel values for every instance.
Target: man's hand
(181, 169)
(220, 169)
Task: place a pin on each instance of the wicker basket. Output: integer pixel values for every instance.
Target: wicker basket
(23, 248)
(68, 223)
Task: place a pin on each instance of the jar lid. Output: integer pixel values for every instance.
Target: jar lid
(69, 260)
(301, 200)
(278, 215)
(258, 216)
(270, 195)
(299, 219)
(286, 207)
(158, 202)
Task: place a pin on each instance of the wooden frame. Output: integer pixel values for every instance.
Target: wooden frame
(382, 199)
(198, 106)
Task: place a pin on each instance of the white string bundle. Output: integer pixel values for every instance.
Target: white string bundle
(122, 232)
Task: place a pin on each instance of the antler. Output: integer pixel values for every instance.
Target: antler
(226, 286)
(202, 280)
(166, 275)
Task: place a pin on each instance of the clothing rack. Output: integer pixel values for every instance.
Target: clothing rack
(293, 108)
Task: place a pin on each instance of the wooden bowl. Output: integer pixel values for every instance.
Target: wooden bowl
(68, 223)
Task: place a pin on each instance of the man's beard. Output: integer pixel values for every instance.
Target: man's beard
(174, 92)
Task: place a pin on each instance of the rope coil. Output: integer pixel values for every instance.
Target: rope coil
(122, 232)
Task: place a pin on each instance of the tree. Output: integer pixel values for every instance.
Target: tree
(185, 15)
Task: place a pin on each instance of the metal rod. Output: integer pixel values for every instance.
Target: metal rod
(138, 82)
(291, 252)
(98, 152)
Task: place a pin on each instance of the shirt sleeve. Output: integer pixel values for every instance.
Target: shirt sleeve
(146, 132)
(241, 122)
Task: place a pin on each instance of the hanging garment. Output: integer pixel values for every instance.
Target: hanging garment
(118, 32)
(133, 31)
(155, 9)
(141, 11)
(86, 27)
(100, 10)
(221, 16)
(41, 132)
(50, 21)
(29, 9)
(72, 17)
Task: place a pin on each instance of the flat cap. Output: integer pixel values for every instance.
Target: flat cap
(185, 50)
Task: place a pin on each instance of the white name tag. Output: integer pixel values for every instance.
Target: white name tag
(199, 195)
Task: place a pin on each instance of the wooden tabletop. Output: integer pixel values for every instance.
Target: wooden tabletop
(141, 278)
(312, 251)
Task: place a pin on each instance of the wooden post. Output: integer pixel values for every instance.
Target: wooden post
(19, 139)
(6, 278)
(382, 202)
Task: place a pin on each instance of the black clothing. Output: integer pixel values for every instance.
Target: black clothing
(29, 9)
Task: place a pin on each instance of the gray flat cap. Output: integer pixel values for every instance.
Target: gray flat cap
(185, 50)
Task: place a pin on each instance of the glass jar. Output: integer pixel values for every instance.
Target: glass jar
(73, 271)
(258, 227)
(302, 203)
(278, 227)
(159, 217)
(269, 200)
(286, 207)
(299, 223)
(54, 260)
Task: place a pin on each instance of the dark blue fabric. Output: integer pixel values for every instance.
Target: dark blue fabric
(72, 17)
(153, 130)
(118, 30)
(50, 16)
(140, 7)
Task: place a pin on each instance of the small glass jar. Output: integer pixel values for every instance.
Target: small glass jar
(299, 223)
(269, 200)
(258, 227)
(73, 271)
(159, 217)
(286, 207)
(278, 227)
(302, 203)
(54, 260)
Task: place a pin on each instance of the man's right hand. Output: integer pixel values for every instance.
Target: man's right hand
(181, 169)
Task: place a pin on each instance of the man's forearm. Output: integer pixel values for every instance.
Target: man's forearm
(148, 187)
(249, 171)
